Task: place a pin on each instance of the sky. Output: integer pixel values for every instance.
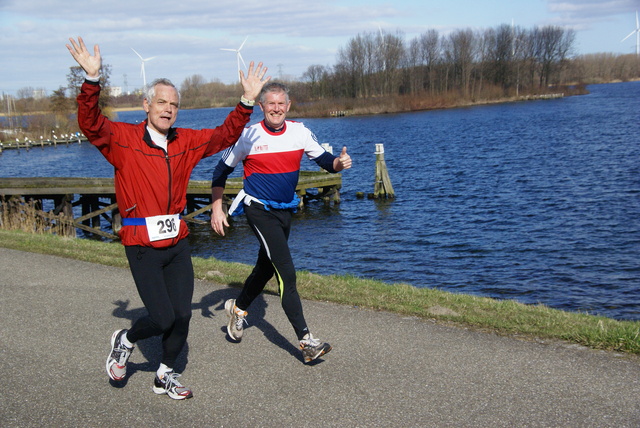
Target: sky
(185, 38)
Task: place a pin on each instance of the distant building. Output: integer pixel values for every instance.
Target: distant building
(39, 94)
(115, 91)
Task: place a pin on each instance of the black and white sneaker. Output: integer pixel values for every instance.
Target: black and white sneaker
(169, 385)
(313, 348)
(118, 357)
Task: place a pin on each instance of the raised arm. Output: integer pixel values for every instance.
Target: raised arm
(90, 63)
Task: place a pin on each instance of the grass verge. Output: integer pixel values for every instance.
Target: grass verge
(505, 317)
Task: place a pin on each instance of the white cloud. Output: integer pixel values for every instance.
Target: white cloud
(186, 37)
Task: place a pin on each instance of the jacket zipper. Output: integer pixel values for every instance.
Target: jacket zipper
(166, 157)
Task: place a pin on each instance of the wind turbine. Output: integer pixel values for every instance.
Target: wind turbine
(381, 49)
(637, 33)
(142, 73)
(238, 55)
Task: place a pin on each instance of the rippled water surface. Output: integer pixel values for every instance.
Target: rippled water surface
(535, 201)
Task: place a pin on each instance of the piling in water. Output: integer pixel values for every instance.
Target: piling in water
(382, 187)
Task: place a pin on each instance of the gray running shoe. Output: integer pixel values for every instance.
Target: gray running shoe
(235, 327)
(313, 348)
(169, 385)
(118, 357)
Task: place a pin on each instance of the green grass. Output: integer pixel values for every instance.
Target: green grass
(505, 317)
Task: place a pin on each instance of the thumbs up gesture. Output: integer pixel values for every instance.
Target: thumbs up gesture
(343, 161)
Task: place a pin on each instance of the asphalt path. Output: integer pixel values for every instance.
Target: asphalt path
(385, 370)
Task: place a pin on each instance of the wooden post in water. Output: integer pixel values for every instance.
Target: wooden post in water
(382, 187)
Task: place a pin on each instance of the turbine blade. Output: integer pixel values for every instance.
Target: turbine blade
(245, 41)
(139, 56)
(149, 59)
(230, 50)
(630, 34)
(241, 59)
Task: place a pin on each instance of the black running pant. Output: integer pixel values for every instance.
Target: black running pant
(164, 279)
(272, 230)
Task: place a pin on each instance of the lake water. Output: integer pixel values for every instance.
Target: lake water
(536, 201)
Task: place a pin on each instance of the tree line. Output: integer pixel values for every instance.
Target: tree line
(384, 70)
(501, 61)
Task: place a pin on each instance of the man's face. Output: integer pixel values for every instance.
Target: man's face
(275, 108)
(162, 111)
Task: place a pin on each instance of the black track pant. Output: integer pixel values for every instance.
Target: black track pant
(272, 230)
(164, 279)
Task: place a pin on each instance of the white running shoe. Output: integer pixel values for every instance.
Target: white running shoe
(169, 385)
(235, 327)
(118, 357)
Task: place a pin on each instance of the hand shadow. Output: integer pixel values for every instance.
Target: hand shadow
(150, 348)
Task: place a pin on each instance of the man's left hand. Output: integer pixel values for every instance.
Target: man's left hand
(343, 161)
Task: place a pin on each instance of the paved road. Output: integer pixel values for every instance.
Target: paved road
(385, 370)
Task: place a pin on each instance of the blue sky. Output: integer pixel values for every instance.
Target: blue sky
(288, 36)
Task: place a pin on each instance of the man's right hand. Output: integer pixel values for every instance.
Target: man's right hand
(90, 64)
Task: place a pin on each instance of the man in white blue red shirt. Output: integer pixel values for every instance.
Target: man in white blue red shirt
(271, 151)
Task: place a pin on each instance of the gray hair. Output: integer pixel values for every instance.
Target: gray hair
(150, 89)
(273, 87)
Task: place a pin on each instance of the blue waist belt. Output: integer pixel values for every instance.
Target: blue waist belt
(135, 221)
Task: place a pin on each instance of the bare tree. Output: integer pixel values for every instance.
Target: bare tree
(501, 55)
(76, 77)
(190, 90)
(316, 76)
(463, 52)
(393, 55)
(352, 60)
(61, 107)
(431, 56)
(553, 45)
(414, 67)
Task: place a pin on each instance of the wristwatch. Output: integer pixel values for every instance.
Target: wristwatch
(247, 102)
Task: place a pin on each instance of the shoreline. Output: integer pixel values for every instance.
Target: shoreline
(501, 317)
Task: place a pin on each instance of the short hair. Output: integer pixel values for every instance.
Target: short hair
(273, 87)
(150, 89)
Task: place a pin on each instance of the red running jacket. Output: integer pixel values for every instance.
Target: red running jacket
(148, 181)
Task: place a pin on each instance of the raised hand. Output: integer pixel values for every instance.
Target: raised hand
(254, 81)
(90, 64)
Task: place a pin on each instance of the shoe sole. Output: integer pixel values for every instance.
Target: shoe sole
(161, 391)
(228, 308)
(113, 343)
(324, 351)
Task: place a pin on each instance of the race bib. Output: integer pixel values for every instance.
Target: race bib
(163, 226)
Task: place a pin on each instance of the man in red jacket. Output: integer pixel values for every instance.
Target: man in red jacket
(152, 164)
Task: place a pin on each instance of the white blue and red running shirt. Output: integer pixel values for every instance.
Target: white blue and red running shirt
(271, 160)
